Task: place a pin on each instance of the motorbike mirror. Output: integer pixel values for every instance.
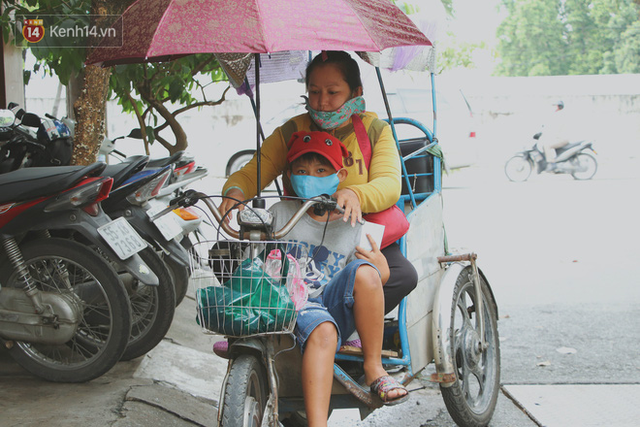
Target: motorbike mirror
(135, 133)
(31, 120)
(7, 118)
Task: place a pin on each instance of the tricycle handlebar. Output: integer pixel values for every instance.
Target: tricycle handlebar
(321, 204)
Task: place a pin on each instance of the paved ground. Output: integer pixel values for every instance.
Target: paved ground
(178, 384)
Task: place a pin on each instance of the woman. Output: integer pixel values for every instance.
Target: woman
(335, 91)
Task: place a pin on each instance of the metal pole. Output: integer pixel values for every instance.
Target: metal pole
(258, 202)
(260, 130)
(395, 137)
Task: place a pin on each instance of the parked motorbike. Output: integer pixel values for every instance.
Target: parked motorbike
(169, 230)
(575, 159)
(184, 222)
(27, 140)
(111, 245)
(153, 307)
(64, 315)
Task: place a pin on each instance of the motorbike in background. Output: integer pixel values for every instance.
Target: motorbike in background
(576, 159)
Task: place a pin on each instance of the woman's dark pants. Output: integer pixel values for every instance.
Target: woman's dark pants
(403, 277)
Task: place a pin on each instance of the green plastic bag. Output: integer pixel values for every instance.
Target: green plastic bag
(250, 302)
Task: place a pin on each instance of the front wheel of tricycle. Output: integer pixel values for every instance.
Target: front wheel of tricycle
(245, 394)
(471, 399)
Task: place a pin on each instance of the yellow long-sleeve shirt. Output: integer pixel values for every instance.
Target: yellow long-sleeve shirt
(377, 188)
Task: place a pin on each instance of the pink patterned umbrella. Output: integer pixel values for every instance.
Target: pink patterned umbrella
(154, 30)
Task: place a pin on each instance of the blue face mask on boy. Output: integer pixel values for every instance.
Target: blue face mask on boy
(308, 186)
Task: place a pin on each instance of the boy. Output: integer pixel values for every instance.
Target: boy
(346, 280)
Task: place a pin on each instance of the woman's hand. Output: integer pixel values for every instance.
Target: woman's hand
(375, 257)
(350, 202)
(229, 203)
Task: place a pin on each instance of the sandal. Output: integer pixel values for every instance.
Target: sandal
(383, 385)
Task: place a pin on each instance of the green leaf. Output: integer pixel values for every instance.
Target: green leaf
(151, 134)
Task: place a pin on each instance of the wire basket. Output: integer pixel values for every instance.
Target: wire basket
(245, 288)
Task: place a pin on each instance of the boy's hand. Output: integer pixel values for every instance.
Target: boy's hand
(375, 257)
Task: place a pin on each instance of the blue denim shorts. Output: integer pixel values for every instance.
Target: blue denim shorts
(335, 305)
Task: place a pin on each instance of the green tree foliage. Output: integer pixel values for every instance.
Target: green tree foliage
(52, 57)
(559, 37)
(155, 93)
(628, 52)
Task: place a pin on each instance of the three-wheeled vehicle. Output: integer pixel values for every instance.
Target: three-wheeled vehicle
(450, 319)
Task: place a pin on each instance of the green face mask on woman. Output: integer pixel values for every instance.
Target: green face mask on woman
(328, 120)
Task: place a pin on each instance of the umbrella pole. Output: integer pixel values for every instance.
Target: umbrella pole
(258, 202)
(261, 131)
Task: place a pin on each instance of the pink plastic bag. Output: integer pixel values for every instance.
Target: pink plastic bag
(295, 283)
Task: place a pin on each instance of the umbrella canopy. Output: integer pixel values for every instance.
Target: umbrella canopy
(155, 30)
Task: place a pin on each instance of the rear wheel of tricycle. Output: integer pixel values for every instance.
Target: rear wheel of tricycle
(518, 168)
(245, 395)
(471, 399)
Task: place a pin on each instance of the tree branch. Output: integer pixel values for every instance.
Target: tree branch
(191, 106)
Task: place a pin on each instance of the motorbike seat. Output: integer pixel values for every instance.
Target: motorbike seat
(165, 161)
(31, 183)
(120, 172)
(568, 146)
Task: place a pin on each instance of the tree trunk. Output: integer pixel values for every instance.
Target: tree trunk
(89, 110)
(90, 107)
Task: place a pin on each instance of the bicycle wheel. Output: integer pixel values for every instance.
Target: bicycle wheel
(471, 399)
(245, 395)
(67, 268)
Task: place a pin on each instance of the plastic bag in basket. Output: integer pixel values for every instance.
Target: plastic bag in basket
(295, 283)
(251, 302)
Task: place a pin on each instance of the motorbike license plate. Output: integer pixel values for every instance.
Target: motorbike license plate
(122, 238)
(167, 224)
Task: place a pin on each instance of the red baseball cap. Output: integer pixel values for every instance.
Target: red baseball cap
(327, 145)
